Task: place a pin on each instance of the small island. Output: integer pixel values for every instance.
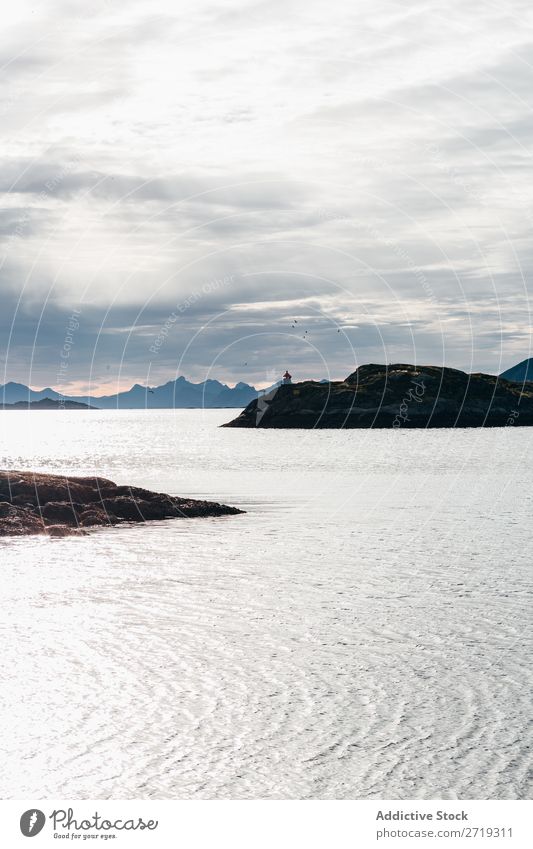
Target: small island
(33, 503)
(47, 404)
(393, 396)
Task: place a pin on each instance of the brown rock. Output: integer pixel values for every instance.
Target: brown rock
(36, 503)
(62, 531)
(60, 512)
(94, 517)
(18, 521)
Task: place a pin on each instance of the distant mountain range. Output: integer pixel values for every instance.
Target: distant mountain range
(179, 394)
(175, 394)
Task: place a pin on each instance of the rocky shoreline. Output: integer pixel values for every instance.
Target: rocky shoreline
(55, 505)
(395, 396)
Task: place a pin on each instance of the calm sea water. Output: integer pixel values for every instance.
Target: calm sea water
(360, 633)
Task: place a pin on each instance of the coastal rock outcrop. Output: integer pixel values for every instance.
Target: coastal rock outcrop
(34, 503)
(394, 396)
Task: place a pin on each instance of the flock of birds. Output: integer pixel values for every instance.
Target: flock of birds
(294, 327)
(306, 332)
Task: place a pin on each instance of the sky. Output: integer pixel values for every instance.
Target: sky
(228, 189)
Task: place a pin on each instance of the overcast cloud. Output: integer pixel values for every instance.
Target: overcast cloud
(194, 177)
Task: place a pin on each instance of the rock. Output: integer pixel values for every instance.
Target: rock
(34, 503)
(18, 521)
(394, 396)
(60, 512)
(94, 517)
(63, 531)
(126, 508)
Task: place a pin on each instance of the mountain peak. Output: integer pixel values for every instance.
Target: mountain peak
(520, 372)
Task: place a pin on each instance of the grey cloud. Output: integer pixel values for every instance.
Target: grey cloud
(64, 179)
(308, 157)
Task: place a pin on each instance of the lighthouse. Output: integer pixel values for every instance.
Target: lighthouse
(287, 378)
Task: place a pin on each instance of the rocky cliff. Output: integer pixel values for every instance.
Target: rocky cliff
(394, 396)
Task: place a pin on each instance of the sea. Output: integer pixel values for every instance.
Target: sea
(363, 631)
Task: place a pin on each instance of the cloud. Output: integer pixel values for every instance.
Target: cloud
(368, 165)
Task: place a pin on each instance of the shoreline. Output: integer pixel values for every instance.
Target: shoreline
(57, 505)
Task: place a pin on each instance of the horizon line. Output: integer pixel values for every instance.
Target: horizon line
(103, 394)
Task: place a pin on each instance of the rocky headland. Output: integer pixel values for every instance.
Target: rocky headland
(394, 396)
(55, 505)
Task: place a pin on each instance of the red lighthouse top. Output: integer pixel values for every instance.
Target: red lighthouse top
(287, 376)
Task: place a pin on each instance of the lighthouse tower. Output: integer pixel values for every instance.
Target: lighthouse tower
(287, 378)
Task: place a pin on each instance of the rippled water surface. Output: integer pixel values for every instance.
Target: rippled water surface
(360, 633)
